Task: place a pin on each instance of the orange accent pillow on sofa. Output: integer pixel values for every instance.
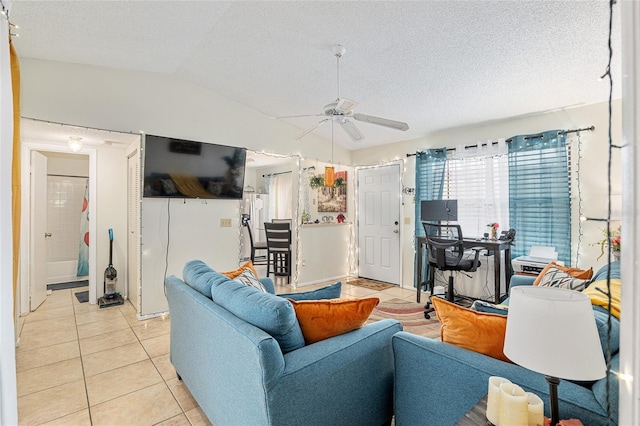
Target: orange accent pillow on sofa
(582, 274)
(321, 319)
(477, 331)
(234, 274)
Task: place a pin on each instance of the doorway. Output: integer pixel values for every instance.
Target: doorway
(37, 268)
(379, 223)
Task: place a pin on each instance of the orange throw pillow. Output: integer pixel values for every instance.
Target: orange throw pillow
(477, 331)
(321, 319)
(582, 274)
(234, 274)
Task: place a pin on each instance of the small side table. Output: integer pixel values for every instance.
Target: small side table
(477, 416)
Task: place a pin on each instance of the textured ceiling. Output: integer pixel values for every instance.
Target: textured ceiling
(433, 64)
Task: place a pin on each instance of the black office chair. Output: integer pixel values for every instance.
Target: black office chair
(255, 246)
(279, 248)
(445, 252)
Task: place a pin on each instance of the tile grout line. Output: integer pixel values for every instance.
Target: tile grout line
(84, 375)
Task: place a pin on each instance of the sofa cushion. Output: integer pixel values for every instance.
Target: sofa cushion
(581, 274)
(477, 331)
(332, 291)
(266, 311)
(599, 389)
(199, 276)
(613, 268)
(321, 319)
(558, 276)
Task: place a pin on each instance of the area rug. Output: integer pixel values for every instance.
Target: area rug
(370, 284)
(82, 296)
(410, 314)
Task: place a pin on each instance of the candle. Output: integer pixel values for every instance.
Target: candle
(536, 410)
(493, 398)
(514, 406)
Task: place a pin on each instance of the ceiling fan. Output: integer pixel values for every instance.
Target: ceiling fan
(341, 111)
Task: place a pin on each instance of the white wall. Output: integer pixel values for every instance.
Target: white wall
(593, 168)
(157, 104)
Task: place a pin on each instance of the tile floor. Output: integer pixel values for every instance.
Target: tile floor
(78, 364)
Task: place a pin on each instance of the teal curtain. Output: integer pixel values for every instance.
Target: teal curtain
(539, 197)
(430, 167)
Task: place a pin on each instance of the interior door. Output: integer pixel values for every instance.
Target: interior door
(379, 223)
(38, 265)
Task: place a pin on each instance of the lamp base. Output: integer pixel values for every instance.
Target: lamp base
(553, 399)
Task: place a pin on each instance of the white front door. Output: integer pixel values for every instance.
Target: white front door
(379, 223)
(38, 267)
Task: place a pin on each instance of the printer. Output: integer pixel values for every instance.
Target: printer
(535, 262)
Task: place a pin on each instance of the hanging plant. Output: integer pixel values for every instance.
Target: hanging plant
(316, 181)
(339, 183)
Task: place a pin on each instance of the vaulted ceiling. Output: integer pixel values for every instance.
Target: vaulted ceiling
(432, 64)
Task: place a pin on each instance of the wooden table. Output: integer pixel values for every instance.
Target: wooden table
(477, 416)
(493, 246)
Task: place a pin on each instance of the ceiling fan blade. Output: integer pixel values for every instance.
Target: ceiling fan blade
(306, 132)
(298, 116)
(346, 105)
(351, 130)
(398, 125)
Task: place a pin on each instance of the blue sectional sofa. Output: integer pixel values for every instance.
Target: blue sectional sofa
(437, 383)
(242, 375)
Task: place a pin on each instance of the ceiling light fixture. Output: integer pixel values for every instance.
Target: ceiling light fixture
(75, 143)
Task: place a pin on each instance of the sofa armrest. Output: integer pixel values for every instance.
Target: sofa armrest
(352, 373)
(518, 280)
(267, 282)
(442, 382)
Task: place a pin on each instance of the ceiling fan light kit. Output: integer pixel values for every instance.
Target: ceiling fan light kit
(342, 109)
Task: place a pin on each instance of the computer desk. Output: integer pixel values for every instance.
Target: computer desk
(492, 246)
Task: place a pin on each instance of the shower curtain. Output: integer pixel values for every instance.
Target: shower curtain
(83, 252)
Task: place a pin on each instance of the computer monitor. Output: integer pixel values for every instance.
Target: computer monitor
(439, 210)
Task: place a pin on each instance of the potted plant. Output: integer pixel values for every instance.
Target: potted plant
(613, 238)
(316, 181)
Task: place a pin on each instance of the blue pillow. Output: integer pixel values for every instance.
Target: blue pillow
(199, 276)
(490, 308)
(329, 292)
(273, 314)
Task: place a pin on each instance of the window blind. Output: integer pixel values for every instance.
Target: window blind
(539, 197)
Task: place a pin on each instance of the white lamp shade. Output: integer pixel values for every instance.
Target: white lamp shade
(553, 331)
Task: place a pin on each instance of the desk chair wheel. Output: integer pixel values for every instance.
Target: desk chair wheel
(427, 316)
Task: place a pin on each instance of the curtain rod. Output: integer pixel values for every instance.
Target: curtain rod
(563, 132)
(276, 174)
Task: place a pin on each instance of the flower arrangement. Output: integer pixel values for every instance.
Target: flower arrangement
(613, 238)
(494, 229)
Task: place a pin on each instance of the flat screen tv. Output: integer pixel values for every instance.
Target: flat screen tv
(439, 210)
(188, 169)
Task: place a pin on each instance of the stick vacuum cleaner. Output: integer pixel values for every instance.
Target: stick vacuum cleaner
(111, 296)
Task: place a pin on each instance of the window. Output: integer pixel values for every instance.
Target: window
(523, 184)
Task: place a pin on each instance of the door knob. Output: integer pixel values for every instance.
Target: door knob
(47, 234)
(395, 231)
